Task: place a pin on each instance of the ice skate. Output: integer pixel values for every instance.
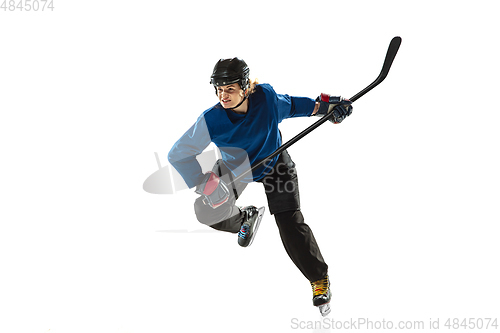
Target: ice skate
(251, 222)
(322, 295)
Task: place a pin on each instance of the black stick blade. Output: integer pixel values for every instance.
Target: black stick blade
(389, 58)
(391, 54)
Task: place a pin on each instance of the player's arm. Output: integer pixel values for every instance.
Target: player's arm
(183, 154)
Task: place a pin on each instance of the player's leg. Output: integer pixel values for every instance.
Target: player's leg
(282, 190)
(300, 244)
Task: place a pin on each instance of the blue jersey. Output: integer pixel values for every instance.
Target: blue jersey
(243, 139)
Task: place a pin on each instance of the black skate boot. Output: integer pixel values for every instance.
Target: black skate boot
(251, 222)
(322, 295)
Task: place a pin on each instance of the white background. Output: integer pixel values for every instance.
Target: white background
(402, 196)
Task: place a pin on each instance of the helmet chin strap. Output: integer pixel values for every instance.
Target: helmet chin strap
(244, 98)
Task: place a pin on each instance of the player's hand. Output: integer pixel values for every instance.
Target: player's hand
(341, 107)
(213, 189)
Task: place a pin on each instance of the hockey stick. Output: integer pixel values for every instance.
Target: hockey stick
(389, 58)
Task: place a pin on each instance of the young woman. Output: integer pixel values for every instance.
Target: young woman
(244, 126)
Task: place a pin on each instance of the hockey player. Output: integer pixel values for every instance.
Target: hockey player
(244, 126)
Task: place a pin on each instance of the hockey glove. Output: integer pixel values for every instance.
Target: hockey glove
(213, 189)
(342, 108)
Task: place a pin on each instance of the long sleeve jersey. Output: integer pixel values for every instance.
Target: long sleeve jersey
(243, 139)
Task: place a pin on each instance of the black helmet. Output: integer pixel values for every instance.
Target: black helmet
(229, 71)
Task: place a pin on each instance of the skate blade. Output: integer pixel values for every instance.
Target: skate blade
(257, 223)
(324, 309)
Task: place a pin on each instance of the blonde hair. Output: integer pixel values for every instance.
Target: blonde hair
(251, 89)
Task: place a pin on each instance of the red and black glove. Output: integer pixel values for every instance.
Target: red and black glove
(342, 108)
(213, 189)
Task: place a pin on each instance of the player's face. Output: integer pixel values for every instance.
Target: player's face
(230, 95)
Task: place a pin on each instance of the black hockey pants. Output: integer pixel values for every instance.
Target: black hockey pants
(282, 190)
